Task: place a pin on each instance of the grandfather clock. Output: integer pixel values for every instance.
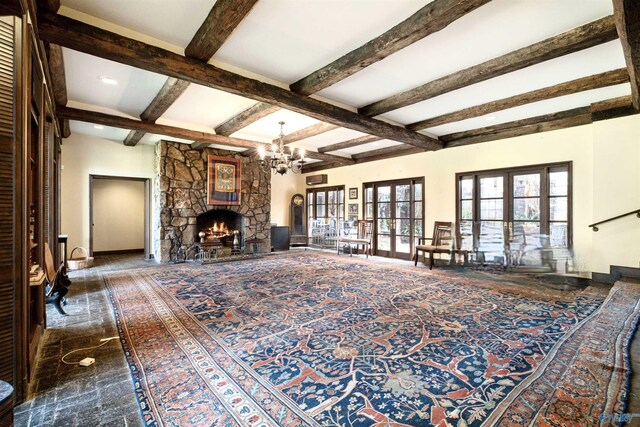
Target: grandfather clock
(297, 220)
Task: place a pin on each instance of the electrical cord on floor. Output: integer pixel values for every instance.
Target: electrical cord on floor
(104, 341)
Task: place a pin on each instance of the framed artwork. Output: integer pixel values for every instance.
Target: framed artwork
(353, 193)
(353, 209)
(223, 181)
(353, 218)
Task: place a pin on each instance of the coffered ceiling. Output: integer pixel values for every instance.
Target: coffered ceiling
(405, 66)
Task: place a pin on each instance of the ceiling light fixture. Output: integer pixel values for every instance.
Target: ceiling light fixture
(108, 80)
(98, 126)
(280, 161)
(490, 118)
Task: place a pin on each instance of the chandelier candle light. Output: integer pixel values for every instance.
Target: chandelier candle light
(279, 160)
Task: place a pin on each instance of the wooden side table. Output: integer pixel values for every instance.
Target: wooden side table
(6, 405)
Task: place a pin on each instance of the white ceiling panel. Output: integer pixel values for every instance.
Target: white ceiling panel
(562, 103)
(288, 39)
(134, 90)
(173, 21)
(494, 29)
(104, 132)
(206, 106)
(267, 128)
(367, 147)
(587, 62)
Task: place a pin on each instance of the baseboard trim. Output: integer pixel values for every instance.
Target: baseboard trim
(616, 272)
(119, 252)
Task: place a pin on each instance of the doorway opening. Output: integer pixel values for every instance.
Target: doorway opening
(119, 215)
(397, 210)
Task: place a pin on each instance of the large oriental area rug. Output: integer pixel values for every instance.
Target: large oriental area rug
(316, 339)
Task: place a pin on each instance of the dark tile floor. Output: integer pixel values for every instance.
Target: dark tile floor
(71, 395)
(102, 394)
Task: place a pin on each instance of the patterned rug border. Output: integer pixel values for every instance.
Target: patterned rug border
(148, 411)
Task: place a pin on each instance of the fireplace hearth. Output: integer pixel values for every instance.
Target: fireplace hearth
(181, 210)
(221, 225)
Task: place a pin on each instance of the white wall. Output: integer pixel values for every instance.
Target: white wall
(118, 215)
(618, 137)
(83, 156)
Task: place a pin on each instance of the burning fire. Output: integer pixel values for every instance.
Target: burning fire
(218, 229)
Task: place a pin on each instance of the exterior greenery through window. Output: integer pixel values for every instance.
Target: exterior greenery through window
(515, 215)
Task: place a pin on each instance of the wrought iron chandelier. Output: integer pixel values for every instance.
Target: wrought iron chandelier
(278, 159)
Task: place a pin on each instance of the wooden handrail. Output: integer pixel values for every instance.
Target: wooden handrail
(594, 225)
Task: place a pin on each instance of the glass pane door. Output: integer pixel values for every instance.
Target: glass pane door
(524, 219)
(402, 221)
(492, 206)
(384, 221)
(397, 210)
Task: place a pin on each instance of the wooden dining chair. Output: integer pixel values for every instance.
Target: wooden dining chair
(443, 241)
(363, 238)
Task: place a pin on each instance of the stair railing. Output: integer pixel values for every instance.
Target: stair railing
(594, 226)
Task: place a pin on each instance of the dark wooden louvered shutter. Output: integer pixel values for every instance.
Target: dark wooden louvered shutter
(8, 208)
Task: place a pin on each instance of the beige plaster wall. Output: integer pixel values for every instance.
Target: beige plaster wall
(84, 155)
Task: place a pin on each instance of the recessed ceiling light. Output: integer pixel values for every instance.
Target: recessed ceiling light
(108, 80)
(489, 118)
(98, 126)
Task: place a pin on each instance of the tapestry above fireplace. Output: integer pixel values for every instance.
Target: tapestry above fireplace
(223, 181)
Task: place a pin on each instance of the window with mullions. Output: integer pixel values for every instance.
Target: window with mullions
(513, 212)
(325, 205)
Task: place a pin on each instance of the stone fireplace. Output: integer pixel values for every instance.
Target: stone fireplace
(221, 225)
(180, 200)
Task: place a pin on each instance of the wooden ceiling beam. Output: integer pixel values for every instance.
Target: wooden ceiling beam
(386, 153)
(586, 36)
(603, 110)
(349, 143)
(175, 132)
(245, 118)
(431, 18)
(65, 129)
(308, 132)
(49, 5)
(224, 17)
(58, 77)
(320, 166)
(169, 93)
(428, 20)
(627, 17)
(597, 81)
(617, 107)
(133, 138)
(612, 108)
(564, 119)
(95, 41)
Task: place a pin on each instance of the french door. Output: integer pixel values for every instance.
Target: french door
(508, 215)
(397, 209)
